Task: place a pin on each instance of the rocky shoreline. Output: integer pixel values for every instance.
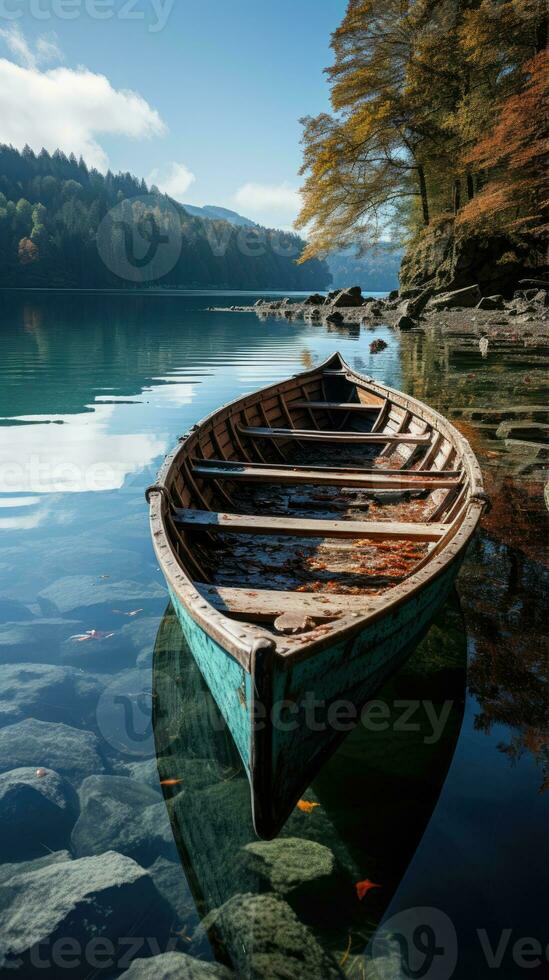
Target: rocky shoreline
(417, 308)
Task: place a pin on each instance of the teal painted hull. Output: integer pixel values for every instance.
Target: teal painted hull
(287, 718)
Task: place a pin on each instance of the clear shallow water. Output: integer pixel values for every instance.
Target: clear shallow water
(94, 389)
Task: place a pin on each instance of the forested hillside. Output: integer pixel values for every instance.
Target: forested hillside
(438, 130)
(52, 206)
(375, 271)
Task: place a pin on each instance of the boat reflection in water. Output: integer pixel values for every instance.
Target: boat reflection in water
(305, 904)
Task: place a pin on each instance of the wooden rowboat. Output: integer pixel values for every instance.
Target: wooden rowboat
(308, 534)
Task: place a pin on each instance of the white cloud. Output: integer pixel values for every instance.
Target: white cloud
(258, 199)
(45, 50)
(66, 108)
(80, 455)
(174, 179)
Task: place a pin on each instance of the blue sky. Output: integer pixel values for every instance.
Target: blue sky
(202, 97)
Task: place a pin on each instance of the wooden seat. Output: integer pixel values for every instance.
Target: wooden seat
(218, 469)
(336, 406)
(306, 527)
(374, 438)
(266, 603)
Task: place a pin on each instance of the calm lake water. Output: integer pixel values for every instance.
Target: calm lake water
(438, 801)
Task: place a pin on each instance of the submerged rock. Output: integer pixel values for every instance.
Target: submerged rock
(529, 431)
(176, 966)
(37, 810)
(70, 751)
(82, 592)
(35, 639)
(264, 939)
(47, 692)
(291, 863)
(303, 872)
(92, 899)
(120, 813)
(9, 871)
(170, 882)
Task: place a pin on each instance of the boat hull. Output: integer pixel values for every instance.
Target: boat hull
(288, 717)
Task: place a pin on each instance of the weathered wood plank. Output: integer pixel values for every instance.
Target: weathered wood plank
(335, 436)
(307, 527)
(336, 406)
(315, 468)
(329, 478)
(266, 603)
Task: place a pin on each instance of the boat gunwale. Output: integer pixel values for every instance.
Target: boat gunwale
(242, 640)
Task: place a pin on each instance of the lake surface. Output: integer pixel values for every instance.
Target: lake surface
(441, 805)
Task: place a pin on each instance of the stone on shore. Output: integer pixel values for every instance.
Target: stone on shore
(37, 810)
(405, 323)
(413, 306)
(315, 299)
(458, 298)
(70, 751)
(347, 298)
(120, 813)
(265, 940)
(491, 303)
(335, 317)
(175, 966)
(48, 693)
(94, 900)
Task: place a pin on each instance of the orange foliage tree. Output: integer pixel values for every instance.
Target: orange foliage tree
(512, 159)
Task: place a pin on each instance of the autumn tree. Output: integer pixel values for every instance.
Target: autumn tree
(362, 162)
(513, 159)
(415, 86)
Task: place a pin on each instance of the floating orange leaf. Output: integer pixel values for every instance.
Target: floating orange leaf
(170, 782)
(306, 806)
(363, 887)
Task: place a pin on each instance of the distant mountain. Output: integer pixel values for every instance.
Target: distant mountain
(64, 225)
(376, 271)
(220, 214)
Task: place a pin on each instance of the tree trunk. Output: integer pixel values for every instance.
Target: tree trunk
(470, 186)
(423, 192)
(457, 195)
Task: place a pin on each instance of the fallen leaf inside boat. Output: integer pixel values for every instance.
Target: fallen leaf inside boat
(170, 782)
(306, 806)
(363, 887)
